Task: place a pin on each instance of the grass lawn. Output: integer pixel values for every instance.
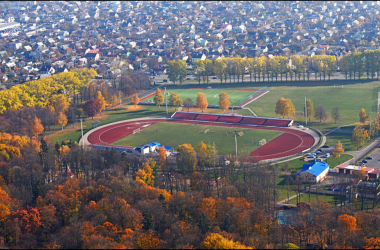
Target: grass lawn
(212, 95)
(174, 134)
(351, 98)
(314, 198)
(118, 114)
(295, 164)
(333, 162)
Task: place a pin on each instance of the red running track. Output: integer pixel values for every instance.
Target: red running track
(289, 143)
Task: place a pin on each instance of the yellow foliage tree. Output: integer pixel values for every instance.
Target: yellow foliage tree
(37, 127)
(61, 119)
(145, 175)
(175, 100)
(158, 98)
(363, 116)
(61, 103)
(280, 108)
(202, 101)
(186, 158)
(338, 150)
(101, 100)
(135, 99)
(359, 136)
(224, 102)
(114, 100)
(217, 241)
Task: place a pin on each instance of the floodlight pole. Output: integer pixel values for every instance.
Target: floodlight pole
(81, 127)
(166, 102)
(236, 146)
(305, 110)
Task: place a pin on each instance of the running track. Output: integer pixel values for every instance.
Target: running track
(289, 143)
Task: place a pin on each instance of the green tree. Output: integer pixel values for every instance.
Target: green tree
(204, 223)
(198, 69)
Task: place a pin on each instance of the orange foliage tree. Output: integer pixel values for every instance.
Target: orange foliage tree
(135, 99)
(162, 154)
(202, 101)
(186, 158)
(28, 218)
(224, 102)
(37, 127)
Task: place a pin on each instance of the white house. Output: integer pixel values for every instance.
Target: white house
(315, 172)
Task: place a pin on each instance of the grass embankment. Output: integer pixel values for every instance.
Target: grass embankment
(123, 113)
(174, 134)
(315, 198)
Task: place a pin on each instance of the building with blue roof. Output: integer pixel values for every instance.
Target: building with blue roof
(314, 172)
(150, 147)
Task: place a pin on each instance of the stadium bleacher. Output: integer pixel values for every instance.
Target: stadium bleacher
(253, 120)
(184, 115)
(277, 122)
(207, 117)
(233, 119)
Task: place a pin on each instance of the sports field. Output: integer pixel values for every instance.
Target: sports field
(174, 134)
(212, 95)
(350, 99)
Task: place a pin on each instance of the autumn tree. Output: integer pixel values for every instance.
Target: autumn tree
(101, 100)
(135, 99)
(158, 98)
(321, 113)
(145, 175)
(363, 116)
(310, 108)
(37, 127)
(92, 107)
(338, 150)
(359, 136)
(335, 113)
(284, 107)
(186, 158)
(175, 100)
(202, 101)
(217, 241)
(162, 154)
(152, 63)
(224, 102)
(61, 119)
(204, 223)
(189, 103)
(61, 103)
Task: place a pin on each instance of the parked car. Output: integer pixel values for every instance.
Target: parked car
(369, 158)
(300, 126)
(365, 161)
(214, 77)
(165, 80)
(327, 155)
(319, 150)
(325, 146)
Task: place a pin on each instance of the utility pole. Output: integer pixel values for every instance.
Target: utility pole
(305, 110)
(236, 146)
(166, 102)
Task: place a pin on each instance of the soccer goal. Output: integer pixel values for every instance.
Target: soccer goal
(136, 131)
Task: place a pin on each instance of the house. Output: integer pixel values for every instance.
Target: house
(46, 69)
(314, 172)
(67, 173)
(93, 56)
(197, 56)
(150, 148)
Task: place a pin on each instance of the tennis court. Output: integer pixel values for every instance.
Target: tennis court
(236, 96)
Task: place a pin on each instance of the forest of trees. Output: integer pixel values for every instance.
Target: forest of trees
(275, 68)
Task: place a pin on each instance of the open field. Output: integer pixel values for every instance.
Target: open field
(333, 162)
(314, 198)
(118, 114)
(174, 134)
(212, 95)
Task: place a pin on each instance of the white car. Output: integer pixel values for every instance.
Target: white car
(327, 155)
(300, 126)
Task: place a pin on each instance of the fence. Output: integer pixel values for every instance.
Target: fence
(265, 89)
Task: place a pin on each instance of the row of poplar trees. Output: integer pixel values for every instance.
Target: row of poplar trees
(356, 64)
(272, 68)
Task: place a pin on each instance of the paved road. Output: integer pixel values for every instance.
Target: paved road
(375, 162)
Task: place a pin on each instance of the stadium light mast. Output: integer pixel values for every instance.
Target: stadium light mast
(305, 110)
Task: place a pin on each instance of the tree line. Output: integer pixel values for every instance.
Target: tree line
(259, 68)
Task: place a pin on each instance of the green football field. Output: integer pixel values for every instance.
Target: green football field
(174, 134)
(212, 95)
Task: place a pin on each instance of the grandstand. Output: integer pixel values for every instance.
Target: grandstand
(235, 119)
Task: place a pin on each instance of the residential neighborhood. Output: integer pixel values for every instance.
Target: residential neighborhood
(37, 35)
